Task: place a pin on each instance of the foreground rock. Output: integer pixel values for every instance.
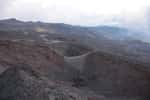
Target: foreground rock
(23, 83)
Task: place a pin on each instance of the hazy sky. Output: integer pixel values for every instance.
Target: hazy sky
(78, 12)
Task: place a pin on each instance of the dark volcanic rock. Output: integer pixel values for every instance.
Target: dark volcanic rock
(23, 83)
(113, 75)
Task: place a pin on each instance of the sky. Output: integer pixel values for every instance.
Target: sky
(127, 13)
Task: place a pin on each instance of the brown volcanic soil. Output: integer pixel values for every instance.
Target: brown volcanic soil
(117, 76)
(36, 55)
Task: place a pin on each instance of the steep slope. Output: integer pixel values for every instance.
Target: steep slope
(36, 55)
(117, 76)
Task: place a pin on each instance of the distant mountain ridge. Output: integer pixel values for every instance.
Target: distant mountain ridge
(109, 32)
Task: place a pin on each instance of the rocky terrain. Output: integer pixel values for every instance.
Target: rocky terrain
(43, 61)
(22, 83)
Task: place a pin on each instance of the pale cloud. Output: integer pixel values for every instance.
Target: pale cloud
(3, 5)
(83, 12)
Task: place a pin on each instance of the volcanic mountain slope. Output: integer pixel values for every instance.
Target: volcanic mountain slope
(23, 83)
(79, 56)
(27, 68)
(110, 74)
(36, 55)
(115, 75)
(110, 39)
(32, 71)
